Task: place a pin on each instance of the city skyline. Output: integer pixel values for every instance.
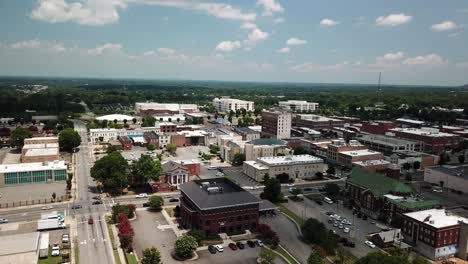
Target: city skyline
(421, 42)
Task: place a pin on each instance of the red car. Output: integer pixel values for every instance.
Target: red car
(90, 221)
(233, 246)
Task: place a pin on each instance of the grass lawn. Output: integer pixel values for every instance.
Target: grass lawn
(286, 255)
(131, 259)
(111, 236)
(77, 252)
(348, 258)
(299, 220)
(50, 259)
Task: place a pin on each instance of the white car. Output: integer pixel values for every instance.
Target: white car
(47, 207)
(259, 243)
(141, 195)
(290, 184)
(346, 230)
(55, 250)
(369, 244)
(219, 248)
(3, 220)
(65, 238)
(212, 168)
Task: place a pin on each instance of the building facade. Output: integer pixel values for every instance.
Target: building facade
(298, 106)
(159, 108)
(276, 124)
(226, 105)
(317, 122)
(431, 139)
(38, 172)
(347, 158)
(388, 145)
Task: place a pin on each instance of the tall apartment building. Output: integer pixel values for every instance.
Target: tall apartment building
(276, 124)
(226, 104)
(298, 106)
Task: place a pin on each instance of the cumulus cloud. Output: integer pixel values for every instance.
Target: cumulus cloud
(427, 60)
(108, 48)
(295, 42)
(328, 22)
(309, 66)
(38, 45)
(283, 50)
(166, 51)
(248, 25)
(394, 56)
(27, 44)
(270, 7)
(444, 26)
(393, 20)
(227, 46)
(255, 36)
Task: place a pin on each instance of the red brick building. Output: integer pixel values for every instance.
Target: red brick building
(178, 140)
(218, 206)
(167, 127)
(433, 141)
(377, 127)
(151, 138)
(126, 142)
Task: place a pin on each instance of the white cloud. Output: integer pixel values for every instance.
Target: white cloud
(393, 20)
(88, 12)
(165, 18)
(227, 46)
(454, 35)
(248, 25)
(39, 45)
(284, 50)
(27, 44)
(328, 22)
(255, 36)
(428, 60)
(279, 20)
(394, 56)
(270, 7)
(108, 48)
(295, 42)
(444, 26)
(309, 66)
(166, 51)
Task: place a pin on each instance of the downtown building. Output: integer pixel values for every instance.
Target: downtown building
(226, 105)
(431, 139)
(276, 124)
(151, 108)
(36, 172)
(298, 106)
(317, 122)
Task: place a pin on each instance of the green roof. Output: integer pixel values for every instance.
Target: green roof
(267, 141)
(378, 184)
(427, 204)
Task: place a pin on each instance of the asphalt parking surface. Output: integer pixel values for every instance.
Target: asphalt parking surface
(228, 256)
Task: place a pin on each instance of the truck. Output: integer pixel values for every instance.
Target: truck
(48, 224)
(44, 245)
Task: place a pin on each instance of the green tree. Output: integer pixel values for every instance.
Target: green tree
(416, 165)
(319, 175)
(315, 258)
(382, 258)
(69, 139)
(407, 166)
(18, 135)
(315, 232)
(332, 189)
(148, 121)
(461, 159)
(151, 147)
(171, 148)
(111, 148)
(111, 170)
(156, 203)
(267, 256)
(151, 256)
(300, 150)
(239, 159)
(185, 245)
(272, 190)
(420, 260)
(147, 168)
(331, 170)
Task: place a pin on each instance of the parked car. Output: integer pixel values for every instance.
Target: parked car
(65, 238)
(329, 213)
(346, 230)
(76, 206)
(341, 226)
(369, 244)
(335, 224)
(219, 248)
(232, 246)
(240, 245)
(55, 250)
(259, 243)
(3, 220)
(141, 195)
(250, 243)
(146, 204)
(173, 200)
(90, 220)
(212, 249)
(47, 207)
(330, 221)
(97, 202)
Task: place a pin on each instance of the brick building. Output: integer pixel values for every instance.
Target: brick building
(432, 140)
(126, 142)
(167, 127)
(151, 138)
(377, 127)
(317, 122)
(346, 158)
(276, 124)
(218, 206)
(340, 145)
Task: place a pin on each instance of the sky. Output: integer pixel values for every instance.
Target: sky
(321, 41)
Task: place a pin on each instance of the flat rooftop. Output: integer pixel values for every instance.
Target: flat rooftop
(438, 218)
(428, 132)
(41, 146)
(33, 166)
(385, 140)
(217, 193)
(296, 102)
(289, 160)
(456, 171)
(41, 138)
(41, 152)
(360, 152)
(19, 243)
(411, 121)
(317, 118)
(371, 162)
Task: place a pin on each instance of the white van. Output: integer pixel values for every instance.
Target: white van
(327, 200)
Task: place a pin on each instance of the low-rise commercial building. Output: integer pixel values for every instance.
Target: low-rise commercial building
(298, 106)
(120, 119)
(346, 158)
(388, 145)
(40, 152)
(405, 122)
(379, 127)
(436, 233)
(276, 124)
(372, 165)
(317, 122)
(226, 104)
(340, 145)
(431, 139)
(297, 166)
(247, 133)
(150, 108)
(262, 147)
(20, 248)
(126, 142)
(451, 177)
(37, 172)
(416, 160)
(40, 140)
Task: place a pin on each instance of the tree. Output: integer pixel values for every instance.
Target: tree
(283, 177)
(156, 202)
(126, 232)
(148, 121)
(331, 170)
(296, 191)
(461, 159)
(300, 150)
(420, 260)
(151, 147)
(151, 256)
(272, 190)
(111, 148)
(18, 135)
(69, 139)
(119, 209)
(315, 258)
(147, 168)
(111, 171)
(315, 232)
(239, 159)
(382, 258)
(319, 175)
(406, 166)
(134, 120)
(185, 245)
(54, 196)
(416, 165)
(332, 189)
(266, 256)
(171, 148)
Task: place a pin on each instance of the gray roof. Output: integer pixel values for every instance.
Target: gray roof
(20, 243)
(268, 141)
(232, 194)
(266, 205)
(246, 130)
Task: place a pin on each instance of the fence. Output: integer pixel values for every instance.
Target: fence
(34, 202)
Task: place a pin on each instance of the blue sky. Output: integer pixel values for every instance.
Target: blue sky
(410, 42)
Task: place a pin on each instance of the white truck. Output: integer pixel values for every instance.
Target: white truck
(48, 224)
(44, 245)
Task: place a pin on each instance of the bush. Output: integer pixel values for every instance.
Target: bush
(118, 209)
(156, 203)
(151, 147)
(267, 235)
(184, 246)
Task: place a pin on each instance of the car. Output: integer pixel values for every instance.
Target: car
(333, 232)
(219, 248)
(76, 206)
(369, 244)
(329, 213)
(232, 246)
(250, 243)
(330, 221)
(173, 200)
(344, 221)
(290, 184)
(141, 195)
(346, 230)
(373, 222)
(146, 204)
(65, 238)
(55, 250)
(3, 220)
(212, 168)
(47, 207)
(240, 245)
(212, 249)
(335, 224)
(90, 220)
(259, 243)
(341, 226)
(97, 202)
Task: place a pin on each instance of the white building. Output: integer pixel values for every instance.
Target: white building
(276, 124)
(104, 135)
(253, 149)
(36, 172)
(298, 166)
(119, 118)
(226, 104)
(298, 106)
(150, 108)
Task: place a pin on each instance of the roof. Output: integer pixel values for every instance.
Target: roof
(428, 132)
(378, 184)
(455, 171)
(366, 163)
(317, 118)
(41, 146)
(411, 203)
(289, 160)
(385, 140)
(246, 130)
(390, 235)
(438, 218)
(411, 121)
(231, 195)
(115, 117)
(19, 243)
(359, 152)
(34, 166)
(41, 152)
(266, 205)
(268, 141)
(41, 138)
(172, 165)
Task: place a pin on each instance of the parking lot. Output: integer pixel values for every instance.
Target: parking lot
(228, 256)
(31, 193)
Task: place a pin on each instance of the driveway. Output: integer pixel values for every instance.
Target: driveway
(247, 256)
